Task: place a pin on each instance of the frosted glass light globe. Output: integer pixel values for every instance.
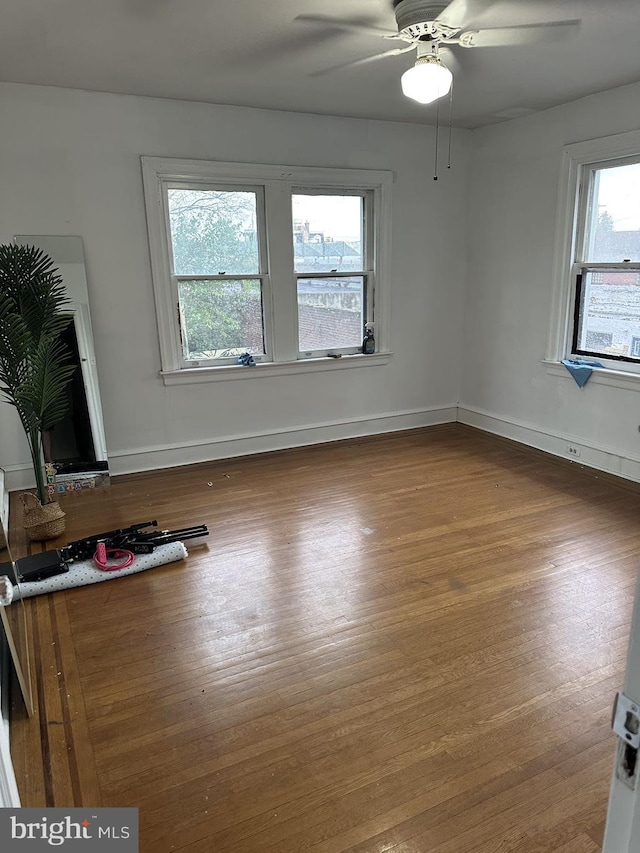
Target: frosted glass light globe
(427, 81)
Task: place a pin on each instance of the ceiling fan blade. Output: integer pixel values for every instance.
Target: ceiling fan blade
(528, 34)
(346, 26)
(281, 49)
(367, 59)
(458, 12)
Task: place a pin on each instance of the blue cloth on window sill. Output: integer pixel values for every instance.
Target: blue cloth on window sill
(581, 370)
(247, 359)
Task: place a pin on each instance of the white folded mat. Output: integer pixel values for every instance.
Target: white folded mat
(85, 572)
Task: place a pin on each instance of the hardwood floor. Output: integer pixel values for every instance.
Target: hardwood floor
(407, 643)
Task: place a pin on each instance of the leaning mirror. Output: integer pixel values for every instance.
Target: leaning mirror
(14, 664)
(75, 449)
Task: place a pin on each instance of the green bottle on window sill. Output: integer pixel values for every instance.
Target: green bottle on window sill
(368, 343)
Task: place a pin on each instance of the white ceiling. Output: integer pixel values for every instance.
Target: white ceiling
(253, 53)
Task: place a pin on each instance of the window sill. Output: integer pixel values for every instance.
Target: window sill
(601, 376)
(196, 375)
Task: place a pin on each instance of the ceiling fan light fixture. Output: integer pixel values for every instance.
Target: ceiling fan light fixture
(427, 81)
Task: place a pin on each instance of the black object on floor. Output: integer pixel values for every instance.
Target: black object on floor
(40, 566)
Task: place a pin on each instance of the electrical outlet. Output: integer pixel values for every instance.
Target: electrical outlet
(574, 450)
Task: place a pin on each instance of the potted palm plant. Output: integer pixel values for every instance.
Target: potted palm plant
(34, 365)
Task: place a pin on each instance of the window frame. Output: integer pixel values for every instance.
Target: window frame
(262, 275)
(280, 289)
(580, 159)
(367, 273)
(580, 273)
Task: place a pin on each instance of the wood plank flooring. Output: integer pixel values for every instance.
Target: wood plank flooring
(405, 643)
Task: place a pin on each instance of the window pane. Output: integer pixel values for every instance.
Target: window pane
(614, 230)
(328, 233)
(220, 319)
(609, 322)
(330, 313)
(214, 232)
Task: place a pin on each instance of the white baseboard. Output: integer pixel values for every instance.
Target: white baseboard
(600, 458)
(152, 458)
(129, 461)
(225, 447)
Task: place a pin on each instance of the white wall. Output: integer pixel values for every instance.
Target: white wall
(70, 164)
(514, 174)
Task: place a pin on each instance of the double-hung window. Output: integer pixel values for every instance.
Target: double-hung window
(218, 270)
(606, 321)
(597, 298)
(287, 264)
(333, 269)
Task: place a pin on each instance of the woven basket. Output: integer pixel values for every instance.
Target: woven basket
(42, 521)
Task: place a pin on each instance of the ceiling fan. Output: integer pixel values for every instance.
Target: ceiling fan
(429, 28)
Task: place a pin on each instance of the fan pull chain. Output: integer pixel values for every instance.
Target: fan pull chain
(435, 164)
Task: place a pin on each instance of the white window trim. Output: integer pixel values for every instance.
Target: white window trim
(158, 171)
(196, 375)
(367, 272)
(574, 157)
(260, 275)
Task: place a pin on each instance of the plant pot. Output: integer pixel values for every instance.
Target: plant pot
(42, 521)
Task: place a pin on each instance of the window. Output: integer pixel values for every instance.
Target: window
(607, 263)
(217, 271)
(285, 263)
(596, 306)
(332, 260)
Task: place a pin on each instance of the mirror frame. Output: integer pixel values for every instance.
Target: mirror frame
(23, 678)
(20, 657)
(67, 254)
